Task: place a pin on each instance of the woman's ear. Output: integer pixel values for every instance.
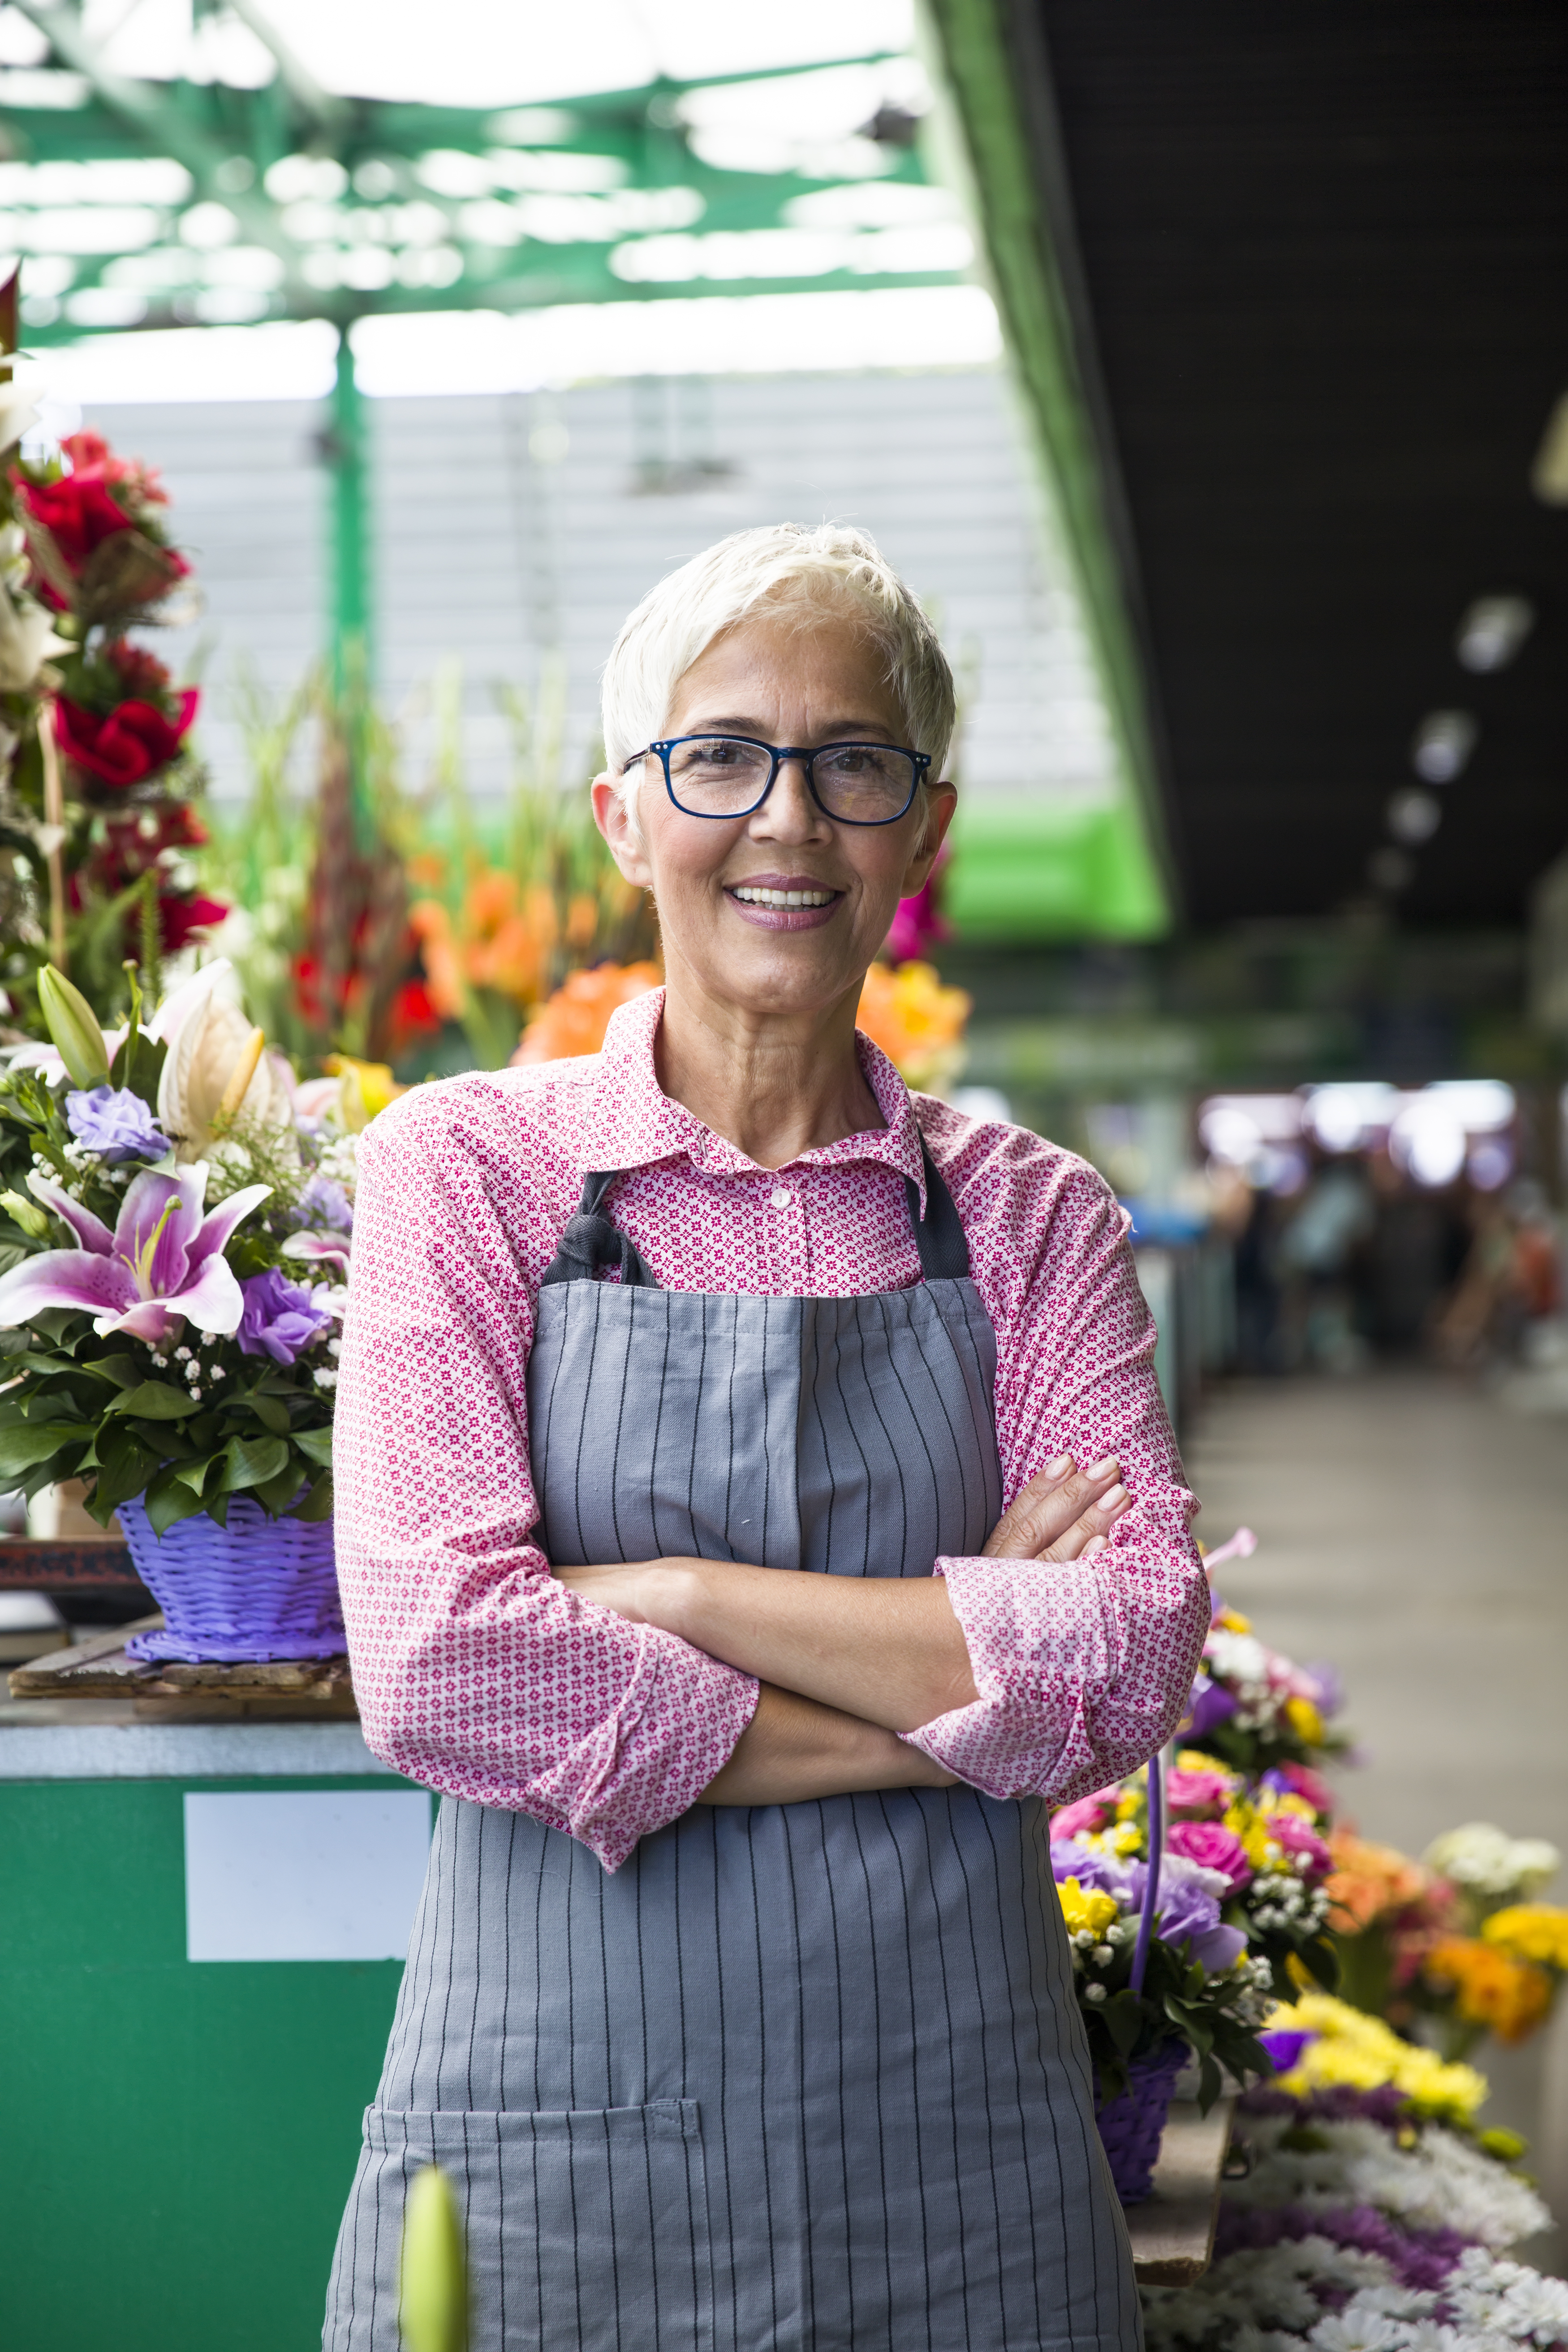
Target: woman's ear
(940, 801)
(622, 838)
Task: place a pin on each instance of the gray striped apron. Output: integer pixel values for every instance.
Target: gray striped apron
(796, 2078)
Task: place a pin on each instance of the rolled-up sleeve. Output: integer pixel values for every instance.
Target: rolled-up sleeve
(1082, 1669)
(476, 1672)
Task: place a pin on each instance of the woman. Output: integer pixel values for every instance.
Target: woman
(683, 1390)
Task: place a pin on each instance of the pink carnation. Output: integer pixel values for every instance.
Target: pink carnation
(1197, 1793)
(1086, 1813)
(1297, 1836)
(1213, 1847)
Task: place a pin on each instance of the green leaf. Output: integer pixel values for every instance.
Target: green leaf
(316, 1445)
(123, 1371)
(251, 1461)
(276, 1494)
(1210, 2081)
(132, 1470)
(1123, 2015)
(318, 1503)
(269, 1410)
(28, 1443)
(168, 1500)
(154, 1400)
(193, 1474)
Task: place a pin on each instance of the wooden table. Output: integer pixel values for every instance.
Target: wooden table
(1172, 2230)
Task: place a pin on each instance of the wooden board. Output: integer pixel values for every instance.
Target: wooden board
(303, 1690)
(1172, 2230)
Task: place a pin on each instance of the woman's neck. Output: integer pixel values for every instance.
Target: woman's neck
(772, 1087)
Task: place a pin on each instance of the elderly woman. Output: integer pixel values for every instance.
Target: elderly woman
(683, 1389)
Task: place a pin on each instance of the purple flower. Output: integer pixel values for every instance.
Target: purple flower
(324, 1207)
(163, 1262)
(116, 1124)
(1101, 1872)
(280, 1319)
(1189, 1916)
(1211, 1703)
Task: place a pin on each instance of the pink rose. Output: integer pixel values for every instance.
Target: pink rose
(1086, 1813)
(1305, 1782)
(1197, 1793)
(1213, 1847)
(1297, 1836)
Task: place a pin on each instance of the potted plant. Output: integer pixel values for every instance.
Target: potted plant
(175, 1224)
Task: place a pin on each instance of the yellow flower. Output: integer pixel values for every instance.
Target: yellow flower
(1234, 1621)
(1530, 1931)
(1193, 1759)
(1305, 1721)
(917, 1021)
(1251, 1827)
(367, 1087)
(1085, 1907)
(1357, 2050)
(1129, 1804)
(1490, 1987)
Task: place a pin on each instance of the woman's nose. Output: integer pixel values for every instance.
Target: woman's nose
(789, 813)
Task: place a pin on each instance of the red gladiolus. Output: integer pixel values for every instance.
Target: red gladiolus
(133, 743)
(179, 917)
(78, 515)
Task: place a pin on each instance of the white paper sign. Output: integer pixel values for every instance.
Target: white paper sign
(304, 1875)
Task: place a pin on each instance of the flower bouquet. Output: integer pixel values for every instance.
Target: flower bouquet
(96, 823)
(1252, 1707)
(175, 1228)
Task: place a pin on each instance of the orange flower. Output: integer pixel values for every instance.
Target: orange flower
(1368, 1880)
(498, 941)
(573, 1021)
(917, 1021)
(1491, 1989)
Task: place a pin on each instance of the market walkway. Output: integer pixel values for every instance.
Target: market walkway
(1415, 1533)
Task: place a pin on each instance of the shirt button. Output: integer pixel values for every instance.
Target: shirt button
(781, 1196)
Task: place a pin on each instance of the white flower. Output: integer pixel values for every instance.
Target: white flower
(210, 1042)
(1350, 2330)
(1485, 1859)
(1091, 1992)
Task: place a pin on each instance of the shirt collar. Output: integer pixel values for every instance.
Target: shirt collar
(632, 1121)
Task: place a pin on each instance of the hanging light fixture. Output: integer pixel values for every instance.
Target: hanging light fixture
(1492, 630)
(1442, 746)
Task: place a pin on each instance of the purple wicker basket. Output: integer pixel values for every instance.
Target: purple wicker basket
(259, 1589)
(1132, 2126)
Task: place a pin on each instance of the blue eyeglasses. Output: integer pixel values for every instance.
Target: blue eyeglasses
(732, 775)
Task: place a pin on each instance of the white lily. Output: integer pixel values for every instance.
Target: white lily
(216, 1069)
(27, 640)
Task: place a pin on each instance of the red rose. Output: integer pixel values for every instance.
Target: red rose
(141, 674)
(130, 745)
(92, 460)
(179, 917)
(78, 515)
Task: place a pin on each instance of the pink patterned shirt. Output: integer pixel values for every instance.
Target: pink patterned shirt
(481, 1675)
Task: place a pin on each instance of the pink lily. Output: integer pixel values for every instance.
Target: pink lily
(320, 1249)
(162, 1264)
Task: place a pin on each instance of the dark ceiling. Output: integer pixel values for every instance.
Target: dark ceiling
(1323, 254)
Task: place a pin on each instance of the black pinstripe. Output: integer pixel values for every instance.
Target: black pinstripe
(800, 2079)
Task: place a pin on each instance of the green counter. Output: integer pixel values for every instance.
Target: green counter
(178, 2134)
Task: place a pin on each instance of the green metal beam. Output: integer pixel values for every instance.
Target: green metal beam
(344, 447)
(1021, 245)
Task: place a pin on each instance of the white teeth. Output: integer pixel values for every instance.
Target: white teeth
(752, 896)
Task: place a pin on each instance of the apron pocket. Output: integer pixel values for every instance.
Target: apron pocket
(587, 2227)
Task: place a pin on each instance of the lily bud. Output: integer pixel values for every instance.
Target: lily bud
(434, 2306)
(73, 1024)
(22, 1212)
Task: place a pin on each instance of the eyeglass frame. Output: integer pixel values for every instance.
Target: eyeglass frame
(919, 761)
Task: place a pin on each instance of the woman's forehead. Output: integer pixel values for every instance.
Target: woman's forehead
(773, 662)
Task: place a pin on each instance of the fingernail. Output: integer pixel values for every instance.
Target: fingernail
(1095, 1543)
(1114, 1499)
(1105, 1469)
(1060, 1467)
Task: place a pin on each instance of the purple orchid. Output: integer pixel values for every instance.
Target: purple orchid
(280, 1319)
(116, 1124)
(162, 1264)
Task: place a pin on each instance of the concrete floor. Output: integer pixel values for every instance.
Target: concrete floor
(1415, 1533)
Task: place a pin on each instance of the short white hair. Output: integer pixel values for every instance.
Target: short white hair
(807, 574)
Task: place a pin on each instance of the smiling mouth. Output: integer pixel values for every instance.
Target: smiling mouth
(751, 894)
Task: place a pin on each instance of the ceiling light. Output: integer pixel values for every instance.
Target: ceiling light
(1413, 815)
(1428, 1142)
(1443, 744)
(1389, 869)
(1549, 475)
(1492, 630)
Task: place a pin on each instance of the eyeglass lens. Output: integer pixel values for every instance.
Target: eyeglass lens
(722, 775)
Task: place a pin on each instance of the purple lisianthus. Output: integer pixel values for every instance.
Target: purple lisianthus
(1104, 1874)
(1189, 1916)
(280, 1319)
(1211, 1703)
(324, 1207)
(116, 1124)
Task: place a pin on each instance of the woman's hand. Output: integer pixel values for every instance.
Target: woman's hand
(1064, 1513)
(793, 1748)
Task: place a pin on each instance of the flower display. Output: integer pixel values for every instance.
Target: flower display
(1256, 1708)
(1486, 1866)
(1353, 2051)
(181, 1344)
(573, 1021)
(127, 744)
(1492, 1991)
(1532, 1931)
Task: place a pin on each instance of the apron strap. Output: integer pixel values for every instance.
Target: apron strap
(939, 1234)
(591, 1242)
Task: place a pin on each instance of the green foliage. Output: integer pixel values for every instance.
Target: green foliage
(1178, 1998)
